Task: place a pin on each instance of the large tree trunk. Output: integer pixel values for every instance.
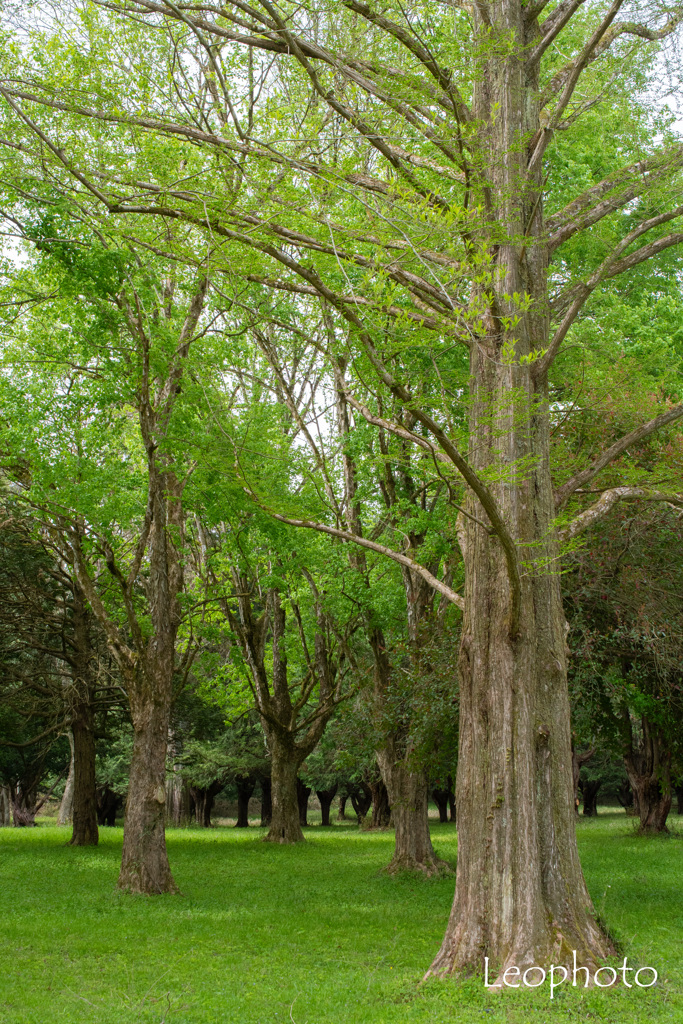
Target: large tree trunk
(409, 797)
(285, 826)
(66, 806)
(648, 766)
(144, 861)
(85, 832)
(245, 787)
(520, 896)
(325, 796)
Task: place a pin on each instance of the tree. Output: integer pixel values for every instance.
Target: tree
(128, 342)
(410, 204)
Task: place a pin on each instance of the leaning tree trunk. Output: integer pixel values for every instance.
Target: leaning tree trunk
(245, 787)
(520, 895)
(285, 826)
(409, 797)
(85, 831)
(144, 861)
(66, 806)
(325, 796)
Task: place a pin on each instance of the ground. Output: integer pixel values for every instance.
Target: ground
(311, 934)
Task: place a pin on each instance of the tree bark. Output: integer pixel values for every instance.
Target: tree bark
(85, 832)
(451, 799)
(679, 800)
(66, 806)
(245, 787)
(326, 796)
(285, 825)
(144, 861)
(341, 813)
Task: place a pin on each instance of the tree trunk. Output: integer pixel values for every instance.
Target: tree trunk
(144, 861)
(451, 798)
(266, 801)
(302, 794)
(341, 813)
(589, 791)
(441, 801)
(66, 806)
(5, 806)
(520, 895)
(85, 832)
(381, 808)
(325, 796)
(245, 787)
(361, 800)
(177, 799)
(679, 799)
(409, 797)
(285, 825)
(648, 766)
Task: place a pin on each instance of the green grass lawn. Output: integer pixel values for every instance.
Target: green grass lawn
(315, 933)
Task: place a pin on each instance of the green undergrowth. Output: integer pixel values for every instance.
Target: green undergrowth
(312, 934)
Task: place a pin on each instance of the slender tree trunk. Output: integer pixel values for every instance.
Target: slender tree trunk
(5, 806)
(85, 832)
(66, 806)
(245, 787)
(451, 799)
(285, 826)
(441, 801)
(144, 861)
(679, 799)
(266, 801)
(302, 794)
(325, 796)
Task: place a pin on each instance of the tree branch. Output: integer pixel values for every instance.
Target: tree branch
(607, 501)
(563, 493)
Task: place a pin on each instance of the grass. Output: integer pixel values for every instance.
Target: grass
(312, 934)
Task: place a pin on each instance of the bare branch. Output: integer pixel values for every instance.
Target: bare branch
(563, 493)
(607, 502)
